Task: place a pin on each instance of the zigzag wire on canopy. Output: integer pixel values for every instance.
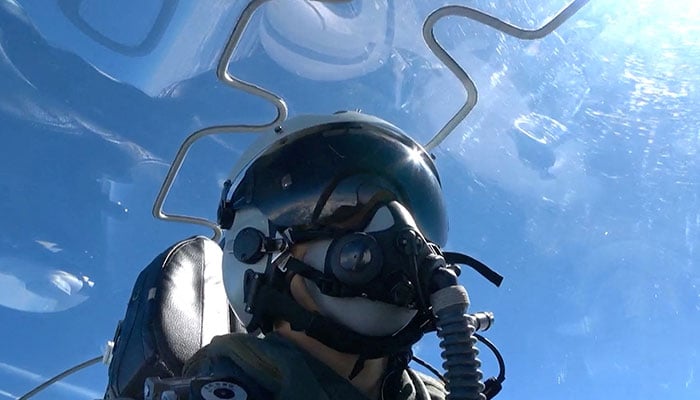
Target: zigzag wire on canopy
(459, 73)
(429, 37)
(223, 75)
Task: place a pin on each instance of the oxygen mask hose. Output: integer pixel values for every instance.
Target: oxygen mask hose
(456, 332)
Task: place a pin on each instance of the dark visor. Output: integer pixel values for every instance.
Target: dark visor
(322, 177)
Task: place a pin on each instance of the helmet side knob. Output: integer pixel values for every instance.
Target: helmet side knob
(249, 246)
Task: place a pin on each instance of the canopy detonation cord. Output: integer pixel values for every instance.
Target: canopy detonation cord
(429, 37)
(60, 376)
(224, 76)
(502, 26)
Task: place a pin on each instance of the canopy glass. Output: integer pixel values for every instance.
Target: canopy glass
(575, 175)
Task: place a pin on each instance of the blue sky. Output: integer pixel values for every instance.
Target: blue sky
(575, 176)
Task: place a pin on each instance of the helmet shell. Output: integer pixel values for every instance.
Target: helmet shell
(316, 170)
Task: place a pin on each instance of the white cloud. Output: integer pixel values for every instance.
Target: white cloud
(50, 246)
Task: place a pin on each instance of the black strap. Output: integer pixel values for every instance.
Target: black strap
(274, 304)
(299, 267)
(327, 286)
(393, 375)
(483, 269)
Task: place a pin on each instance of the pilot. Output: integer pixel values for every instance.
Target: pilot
(333, 227)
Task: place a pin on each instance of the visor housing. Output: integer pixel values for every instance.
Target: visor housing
(325, 176)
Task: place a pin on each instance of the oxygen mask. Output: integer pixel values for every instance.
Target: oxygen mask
(366, 280)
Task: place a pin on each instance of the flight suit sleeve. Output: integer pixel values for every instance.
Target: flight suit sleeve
(205, 364)
(427, 388)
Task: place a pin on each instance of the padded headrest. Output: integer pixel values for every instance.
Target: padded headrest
(177, 306)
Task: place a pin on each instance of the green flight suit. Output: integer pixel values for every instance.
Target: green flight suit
(288, 372)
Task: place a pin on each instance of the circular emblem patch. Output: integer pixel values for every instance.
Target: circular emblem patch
(219, 390)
